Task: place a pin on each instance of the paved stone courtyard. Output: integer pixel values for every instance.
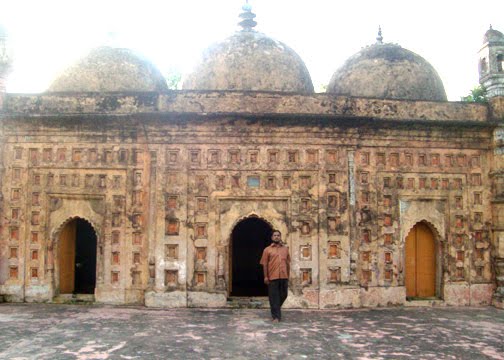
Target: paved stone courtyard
(45, 331)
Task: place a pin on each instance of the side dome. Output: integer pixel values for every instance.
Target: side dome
(107, 69)
(493, 36)
(250, 60)
(387, 71)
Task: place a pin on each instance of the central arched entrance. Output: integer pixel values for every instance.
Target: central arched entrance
(248, 240)
(77, 258)
(420, 254)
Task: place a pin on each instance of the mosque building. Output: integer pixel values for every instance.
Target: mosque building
(115, 189)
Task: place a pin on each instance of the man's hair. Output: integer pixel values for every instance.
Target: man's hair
(274, 231)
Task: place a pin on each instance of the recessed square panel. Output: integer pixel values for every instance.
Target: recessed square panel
(253, 181)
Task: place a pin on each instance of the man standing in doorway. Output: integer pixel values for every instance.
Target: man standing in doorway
(275, 261)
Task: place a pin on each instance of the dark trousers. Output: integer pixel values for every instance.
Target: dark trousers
(277, 293)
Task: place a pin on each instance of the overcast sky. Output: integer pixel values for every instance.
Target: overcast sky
(48, 35)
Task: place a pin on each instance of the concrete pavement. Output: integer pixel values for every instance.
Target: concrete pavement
(49, 331)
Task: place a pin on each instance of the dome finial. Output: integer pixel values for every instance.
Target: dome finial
(491, 27)
(248, 16)
(379, 38)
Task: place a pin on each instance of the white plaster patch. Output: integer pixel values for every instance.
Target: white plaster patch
(89, 351)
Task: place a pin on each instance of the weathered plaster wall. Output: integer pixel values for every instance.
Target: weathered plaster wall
(341, 191)
(4, 268)
(256, 103)
(57, 173)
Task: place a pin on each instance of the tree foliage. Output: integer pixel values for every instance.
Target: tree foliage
(478, 94)
(173, 79)
(320, 88)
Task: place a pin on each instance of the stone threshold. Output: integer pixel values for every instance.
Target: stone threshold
(245, 302)
(431, 302)
(498, 302)
(74, 299)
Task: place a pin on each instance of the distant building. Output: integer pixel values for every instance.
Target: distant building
(116, 187)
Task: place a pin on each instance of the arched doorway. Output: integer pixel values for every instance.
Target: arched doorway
(77, 258)
(420, 255)
(248, 240)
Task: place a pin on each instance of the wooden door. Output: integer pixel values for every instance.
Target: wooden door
(420, 261)
(67, 258)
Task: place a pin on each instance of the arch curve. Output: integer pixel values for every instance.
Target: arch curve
(431, 226)
(57, 229)
(252, 215)
(433, 212)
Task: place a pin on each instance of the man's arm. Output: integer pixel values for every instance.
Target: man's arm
(288, 262)
(264, 263)
(266, 275)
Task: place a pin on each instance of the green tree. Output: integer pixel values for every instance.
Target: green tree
(320, 88)
(173, 79)
(478, 94)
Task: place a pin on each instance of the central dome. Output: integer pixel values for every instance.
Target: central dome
(107, 69)
(250, 60)
(387, 71)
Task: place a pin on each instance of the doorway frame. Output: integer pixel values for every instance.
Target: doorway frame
(230, 247)
(438, 246)
(54, 248)
(229, 210)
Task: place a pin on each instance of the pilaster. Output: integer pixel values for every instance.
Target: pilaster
(497, 175)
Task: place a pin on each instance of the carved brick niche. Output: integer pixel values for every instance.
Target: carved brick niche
(305, 252)
(171, 251)
(171, 226)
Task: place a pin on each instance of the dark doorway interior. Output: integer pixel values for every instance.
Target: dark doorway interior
(85, 258)
(249, 238)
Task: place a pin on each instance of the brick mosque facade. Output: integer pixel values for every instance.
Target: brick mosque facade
(166, 198)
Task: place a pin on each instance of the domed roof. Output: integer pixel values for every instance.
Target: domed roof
(387, 71)
(493, 35)
(250, 60)
(110, 69)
